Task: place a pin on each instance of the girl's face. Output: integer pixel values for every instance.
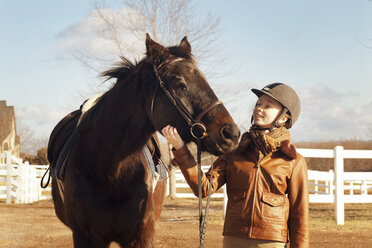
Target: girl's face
(266, 111)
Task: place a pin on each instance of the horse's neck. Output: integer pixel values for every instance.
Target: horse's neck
(121, 126)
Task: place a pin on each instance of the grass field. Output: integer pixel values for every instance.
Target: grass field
(36, 226)
(357, 216)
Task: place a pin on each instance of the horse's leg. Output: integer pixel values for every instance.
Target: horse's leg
(147, 235)
(143, 238)
(147, 231)
(153, 211)
(159, 197)
(82, 241)
(144, 241)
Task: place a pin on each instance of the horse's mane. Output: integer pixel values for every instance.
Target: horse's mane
(123, 68)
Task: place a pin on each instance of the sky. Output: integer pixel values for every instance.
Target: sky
(322, 49)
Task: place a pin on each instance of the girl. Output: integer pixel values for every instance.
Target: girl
(266, 179)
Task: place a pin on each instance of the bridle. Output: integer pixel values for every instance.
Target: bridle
(192, 123)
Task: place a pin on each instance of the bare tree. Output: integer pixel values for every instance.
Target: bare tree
(29, 143)
(166, 21)
(364, 42)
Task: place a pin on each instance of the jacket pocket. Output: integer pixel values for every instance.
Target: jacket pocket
(273, 206)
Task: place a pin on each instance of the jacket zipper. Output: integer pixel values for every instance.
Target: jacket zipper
(260, 158)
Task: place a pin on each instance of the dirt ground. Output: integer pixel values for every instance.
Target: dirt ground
(35, 225)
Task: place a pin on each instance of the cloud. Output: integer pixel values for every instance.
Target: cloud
(40, 118)
(325, 113)
(90, 38)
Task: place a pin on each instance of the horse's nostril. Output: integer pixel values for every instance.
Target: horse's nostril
(230, 133)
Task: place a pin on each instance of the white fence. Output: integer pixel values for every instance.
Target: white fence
(357, 187)
(324, 187)
(20, 182)
(183, 190)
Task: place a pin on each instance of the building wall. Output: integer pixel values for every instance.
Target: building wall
(9, 140)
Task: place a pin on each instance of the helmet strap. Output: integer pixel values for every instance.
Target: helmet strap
(260, 128)
(275, 123)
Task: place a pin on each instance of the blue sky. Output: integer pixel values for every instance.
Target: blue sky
(318, 47)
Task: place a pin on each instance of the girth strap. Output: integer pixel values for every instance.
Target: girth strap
(60, 168)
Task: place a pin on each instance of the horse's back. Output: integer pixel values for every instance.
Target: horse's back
(60, 134)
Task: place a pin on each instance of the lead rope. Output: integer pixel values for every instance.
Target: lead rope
(46, 174)
(203, 219)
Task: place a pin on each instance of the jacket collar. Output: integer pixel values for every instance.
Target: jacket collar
(277, 140)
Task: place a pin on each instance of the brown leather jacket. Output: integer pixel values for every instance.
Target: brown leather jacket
(267, 195)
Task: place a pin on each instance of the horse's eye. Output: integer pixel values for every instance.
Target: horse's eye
(180, 83)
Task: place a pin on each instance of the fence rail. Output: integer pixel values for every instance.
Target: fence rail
(357, 187)
(20, 182)
(324, 187)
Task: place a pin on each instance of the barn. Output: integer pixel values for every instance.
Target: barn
(9, 140)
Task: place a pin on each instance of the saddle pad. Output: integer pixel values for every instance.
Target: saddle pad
(158, 172)
(88, 104)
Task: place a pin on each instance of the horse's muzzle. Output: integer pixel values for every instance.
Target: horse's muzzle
(230, 136)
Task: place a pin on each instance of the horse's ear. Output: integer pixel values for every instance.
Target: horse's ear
(153, 48)
(185, 45)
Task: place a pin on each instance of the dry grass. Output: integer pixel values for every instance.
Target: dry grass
(322, 215)
(357, 216)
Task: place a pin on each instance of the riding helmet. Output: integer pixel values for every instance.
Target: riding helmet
(286, 96)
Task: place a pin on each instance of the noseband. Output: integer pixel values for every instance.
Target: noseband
(193, 123)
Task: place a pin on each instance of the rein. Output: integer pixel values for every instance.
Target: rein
(193, 123)
(203, 218)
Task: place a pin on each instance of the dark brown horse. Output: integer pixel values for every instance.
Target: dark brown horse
(107, 196)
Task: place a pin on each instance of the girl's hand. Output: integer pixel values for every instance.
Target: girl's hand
(171, 134)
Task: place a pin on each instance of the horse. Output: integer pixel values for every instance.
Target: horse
(108, 193)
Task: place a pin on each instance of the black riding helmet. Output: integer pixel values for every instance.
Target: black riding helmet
(287, 97)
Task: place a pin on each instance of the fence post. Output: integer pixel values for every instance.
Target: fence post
(8, 163)
(18, 189)
(172, 182)
(172, 176)
(331, 183)
(27, 182)
(364, 188)
(34, 185)
(339, 184)
(351, 187)
(224, 200)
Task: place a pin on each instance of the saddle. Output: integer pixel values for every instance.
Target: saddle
(59, 146)
(66, 131)
(62, 139)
